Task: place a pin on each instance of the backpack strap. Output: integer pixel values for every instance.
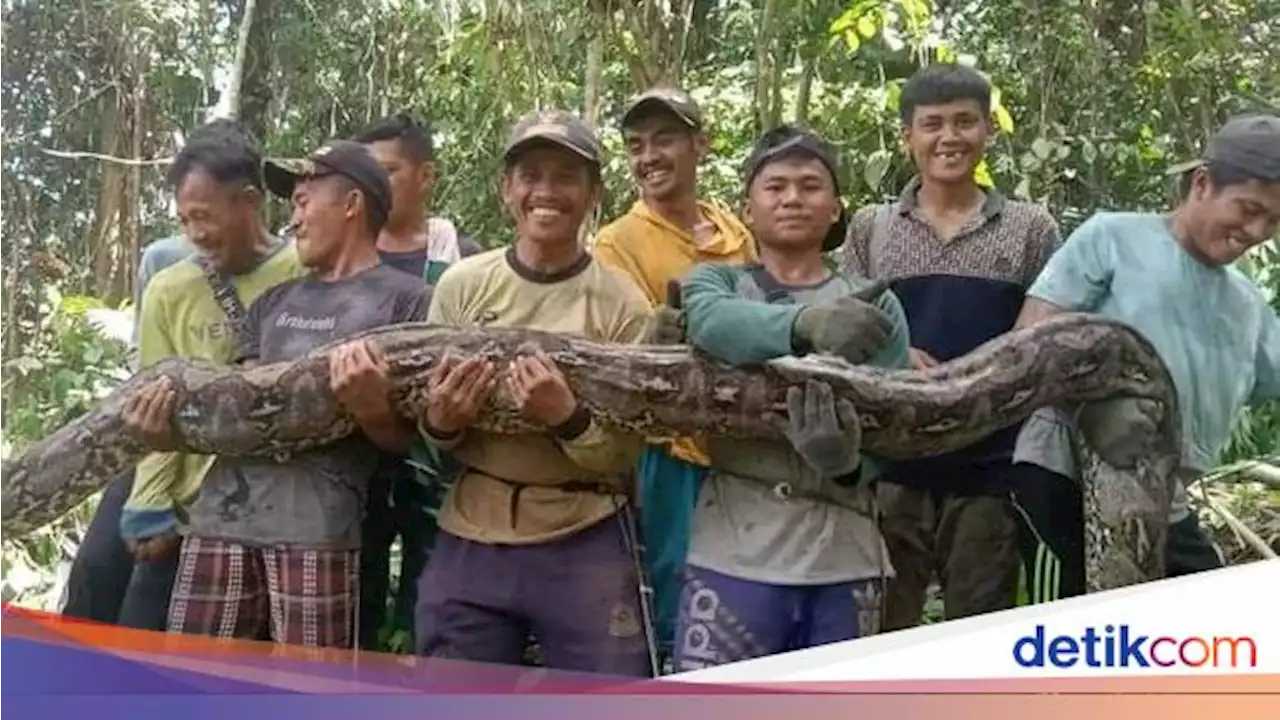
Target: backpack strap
(227, 297)
(879, 234)
(773, 290)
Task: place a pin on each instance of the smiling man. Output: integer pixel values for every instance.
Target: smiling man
(666, 232)
(1171, 277)
(960, 258)
(786, 553)
(270, 547)
(218, 184)
(536, 535)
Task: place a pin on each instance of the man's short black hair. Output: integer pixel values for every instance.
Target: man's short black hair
(374, 221)
(942, 83)
(414, 137)
(225, 150)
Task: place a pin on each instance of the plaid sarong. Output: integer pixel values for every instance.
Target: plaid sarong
(287, 595)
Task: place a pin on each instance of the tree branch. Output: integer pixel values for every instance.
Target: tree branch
(79, 154)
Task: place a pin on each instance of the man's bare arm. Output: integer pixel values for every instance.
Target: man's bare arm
(1035, 310)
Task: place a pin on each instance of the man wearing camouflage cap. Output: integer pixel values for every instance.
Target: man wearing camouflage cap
(536, 535)
(270, 548)
(1170, 276)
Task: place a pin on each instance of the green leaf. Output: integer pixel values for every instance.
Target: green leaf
(1023, 190)
(876, 168)
(1004, 121)
(982, 175)
(852, 41)
(867, 26)
(1041, 148)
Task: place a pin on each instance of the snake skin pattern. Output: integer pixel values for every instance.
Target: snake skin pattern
(275, 410)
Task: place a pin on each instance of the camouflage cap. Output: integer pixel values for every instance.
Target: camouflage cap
(674, 100)
(343, 157)
(556, 127)
(1249, 143)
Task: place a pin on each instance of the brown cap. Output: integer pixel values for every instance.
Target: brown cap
(555, 127)
(674, 100)
(343, 157)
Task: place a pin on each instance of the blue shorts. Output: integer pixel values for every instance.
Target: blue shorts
(725, 619)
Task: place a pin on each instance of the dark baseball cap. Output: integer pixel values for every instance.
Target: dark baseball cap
(343, 157)
(674, 100)
(1249, 143)
(787, 141)
(553, 127)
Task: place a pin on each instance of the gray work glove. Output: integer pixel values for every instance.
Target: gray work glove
(667, 325)
(1120, 429)
(823, 431)
(852, 326)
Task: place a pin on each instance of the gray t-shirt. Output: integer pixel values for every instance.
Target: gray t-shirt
(316, 499)
(742, 529)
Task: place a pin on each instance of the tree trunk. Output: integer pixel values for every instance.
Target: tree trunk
(593, 77)
(111, 188)
(764, 68)
(231, 102)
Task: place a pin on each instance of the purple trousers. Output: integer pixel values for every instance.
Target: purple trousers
(579, 596)
(725, 619)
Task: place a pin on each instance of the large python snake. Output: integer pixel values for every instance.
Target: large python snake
(275, 410)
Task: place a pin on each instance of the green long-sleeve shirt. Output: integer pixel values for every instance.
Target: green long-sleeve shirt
(740, 528)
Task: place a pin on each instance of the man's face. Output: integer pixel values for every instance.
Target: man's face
(1228, 222)
(321, 208)
(548, 192)
(411, 180)
(947, 141)
(792, 204)
(663, 154)
(218, 219)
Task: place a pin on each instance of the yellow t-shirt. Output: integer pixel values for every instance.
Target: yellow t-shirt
(652, 252)
(179, 317)
(590, 300)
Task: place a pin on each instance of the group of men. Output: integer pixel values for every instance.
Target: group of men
(617, 553)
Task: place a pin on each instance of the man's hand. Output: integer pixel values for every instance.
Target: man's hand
(456, 391)
(361, 379)
(155, 548)
(148, 415)
(1121, 430)
(852, 327)
(539, 389)
(667, 327)
(920, 359)
(826, 433)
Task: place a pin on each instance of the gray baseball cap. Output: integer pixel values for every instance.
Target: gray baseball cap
(1250, 143)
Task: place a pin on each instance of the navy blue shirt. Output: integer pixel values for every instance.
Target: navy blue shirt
(957, 294)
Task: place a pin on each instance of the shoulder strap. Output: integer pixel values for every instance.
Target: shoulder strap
(226, 296)
(774, 292)
(879, 234)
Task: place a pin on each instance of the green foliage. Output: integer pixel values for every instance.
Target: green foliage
(66, 367)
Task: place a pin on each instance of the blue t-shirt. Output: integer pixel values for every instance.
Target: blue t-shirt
(1212, 326)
